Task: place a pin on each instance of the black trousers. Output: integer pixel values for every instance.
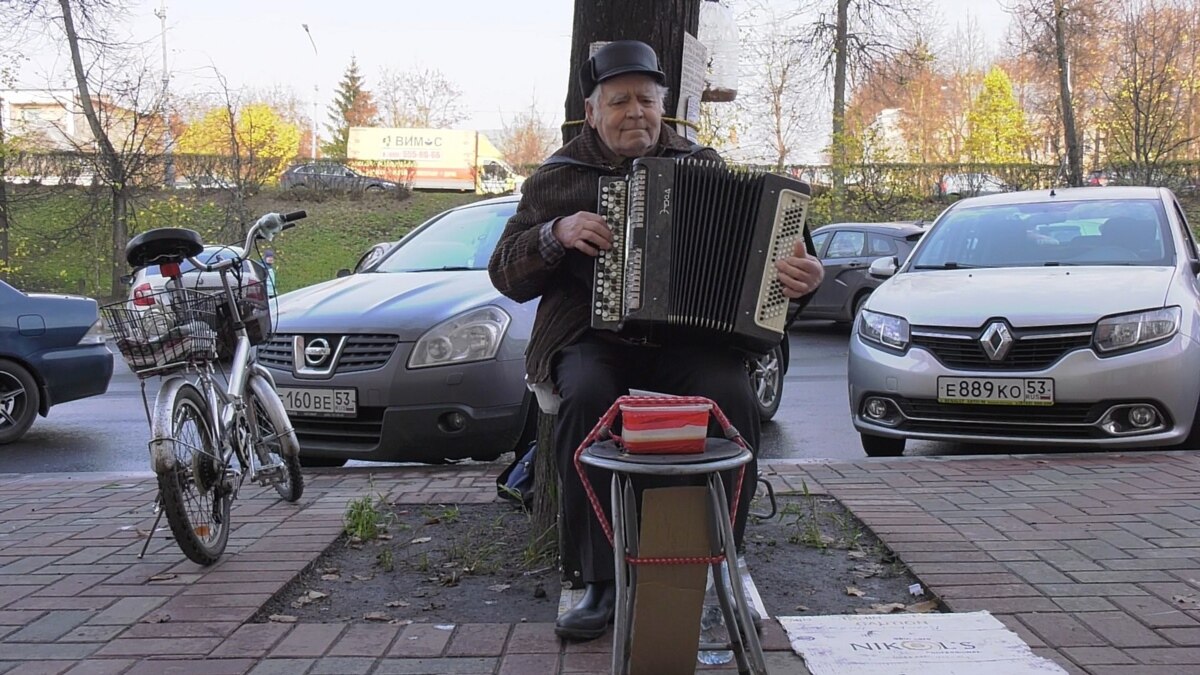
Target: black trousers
(591, 374)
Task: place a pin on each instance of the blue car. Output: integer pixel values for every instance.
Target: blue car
(51, 352)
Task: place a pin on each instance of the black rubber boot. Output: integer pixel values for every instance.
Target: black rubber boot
(589, 619)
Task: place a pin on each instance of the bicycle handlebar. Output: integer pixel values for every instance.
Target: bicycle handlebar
(266, 227)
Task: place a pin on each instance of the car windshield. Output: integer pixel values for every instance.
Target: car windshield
(1089, 232)
(459, 240)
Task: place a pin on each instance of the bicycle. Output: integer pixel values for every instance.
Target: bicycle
(198, 428)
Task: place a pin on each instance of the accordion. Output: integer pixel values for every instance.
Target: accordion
(694, 247)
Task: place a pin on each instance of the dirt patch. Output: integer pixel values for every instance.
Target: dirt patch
(483, 564)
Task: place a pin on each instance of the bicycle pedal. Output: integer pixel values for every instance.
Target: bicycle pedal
(268, 475)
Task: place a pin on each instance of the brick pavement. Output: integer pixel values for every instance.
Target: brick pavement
(1093, 559)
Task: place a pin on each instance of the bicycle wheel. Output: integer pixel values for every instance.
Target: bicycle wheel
(195, 491)
(276, 439)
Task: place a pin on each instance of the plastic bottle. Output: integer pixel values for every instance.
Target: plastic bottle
(712, 626)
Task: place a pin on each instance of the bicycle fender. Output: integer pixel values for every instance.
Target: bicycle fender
(259, 369)
(162, 446)
(264, 390)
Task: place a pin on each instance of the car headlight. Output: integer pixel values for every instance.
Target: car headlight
(470, 336)
(1127, 331)
(883, 329)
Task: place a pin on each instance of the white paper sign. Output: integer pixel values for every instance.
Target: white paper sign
(912, 644)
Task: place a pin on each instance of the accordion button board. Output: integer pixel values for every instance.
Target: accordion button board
(694, 247)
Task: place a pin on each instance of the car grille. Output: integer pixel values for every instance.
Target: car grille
(1061, 420)
(363, 430)
(1031, 350)
(362, 352)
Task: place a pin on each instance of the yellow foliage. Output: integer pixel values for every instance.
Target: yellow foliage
(265, 141)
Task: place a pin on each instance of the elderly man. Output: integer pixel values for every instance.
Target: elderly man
(547, 250)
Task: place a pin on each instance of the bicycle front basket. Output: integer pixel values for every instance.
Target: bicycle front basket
(164, 330)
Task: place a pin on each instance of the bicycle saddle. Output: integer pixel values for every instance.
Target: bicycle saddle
(163, 245)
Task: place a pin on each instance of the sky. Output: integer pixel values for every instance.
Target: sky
(504, 56)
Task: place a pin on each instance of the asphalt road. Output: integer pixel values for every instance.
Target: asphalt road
(109, 432)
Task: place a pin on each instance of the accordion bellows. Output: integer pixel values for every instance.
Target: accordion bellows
(694, 247)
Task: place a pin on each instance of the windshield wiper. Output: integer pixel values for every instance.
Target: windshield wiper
(947, 266)
(1056, 263)
(447, 268)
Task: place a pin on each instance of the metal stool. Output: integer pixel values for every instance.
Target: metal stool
(719, 455)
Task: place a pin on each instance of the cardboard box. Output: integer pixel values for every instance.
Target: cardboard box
(669, 598)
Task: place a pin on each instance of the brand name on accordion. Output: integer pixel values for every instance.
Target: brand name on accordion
(666, 203)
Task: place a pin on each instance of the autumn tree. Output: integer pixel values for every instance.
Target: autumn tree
(1147, 109)
(526, 139)
(256, 135)
(997, 131)
(422, 97)
(121, 107)
(353, 106)
(781, 86)
(1063, 39)
(847, 37)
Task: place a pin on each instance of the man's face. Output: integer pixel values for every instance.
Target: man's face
(627, 116)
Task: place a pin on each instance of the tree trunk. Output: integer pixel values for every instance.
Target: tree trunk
(1074, 157)
(109, 159)
(841, 45)
(659, 24)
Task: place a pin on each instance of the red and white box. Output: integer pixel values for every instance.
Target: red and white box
(665, 429)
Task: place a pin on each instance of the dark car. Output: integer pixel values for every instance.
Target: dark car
(846, 251)
(51, 352)
(331, 176)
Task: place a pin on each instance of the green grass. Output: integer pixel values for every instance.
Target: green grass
(60, 239)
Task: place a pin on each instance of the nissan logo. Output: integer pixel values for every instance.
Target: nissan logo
(317, 351)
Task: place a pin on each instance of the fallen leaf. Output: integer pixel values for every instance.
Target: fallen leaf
(851, 590)
(857, 555)
(330, 577)
(383, 536)
(157, 618)
(282, 618)
(802, 608)
(922, 607)
(400, 622)
(421, 540)
(867, 570)
(330, 570)
(398, 603)
(882, 608)
(376, 616)
(499, 588)
(163, 577)
(308, 597)
(1184, 599)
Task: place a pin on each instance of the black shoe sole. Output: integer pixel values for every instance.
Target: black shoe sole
(580, 634)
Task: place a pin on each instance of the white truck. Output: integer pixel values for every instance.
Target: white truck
(441, 159)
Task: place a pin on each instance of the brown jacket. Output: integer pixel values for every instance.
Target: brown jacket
(518, 268)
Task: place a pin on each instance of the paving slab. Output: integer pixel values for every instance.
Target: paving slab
(1092, 559)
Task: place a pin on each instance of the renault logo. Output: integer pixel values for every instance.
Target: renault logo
(996, 340)
(317, 351)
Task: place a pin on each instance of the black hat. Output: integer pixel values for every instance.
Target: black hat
(619, 58)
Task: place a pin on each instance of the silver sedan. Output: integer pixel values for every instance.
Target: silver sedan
(1048, 318)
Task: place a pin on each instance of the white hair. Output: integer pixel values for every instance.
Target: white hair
(594, 97)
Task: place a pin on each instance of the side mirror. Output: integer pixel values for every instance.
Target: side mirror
(343, 273)
(882, 268)
(127, 279)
